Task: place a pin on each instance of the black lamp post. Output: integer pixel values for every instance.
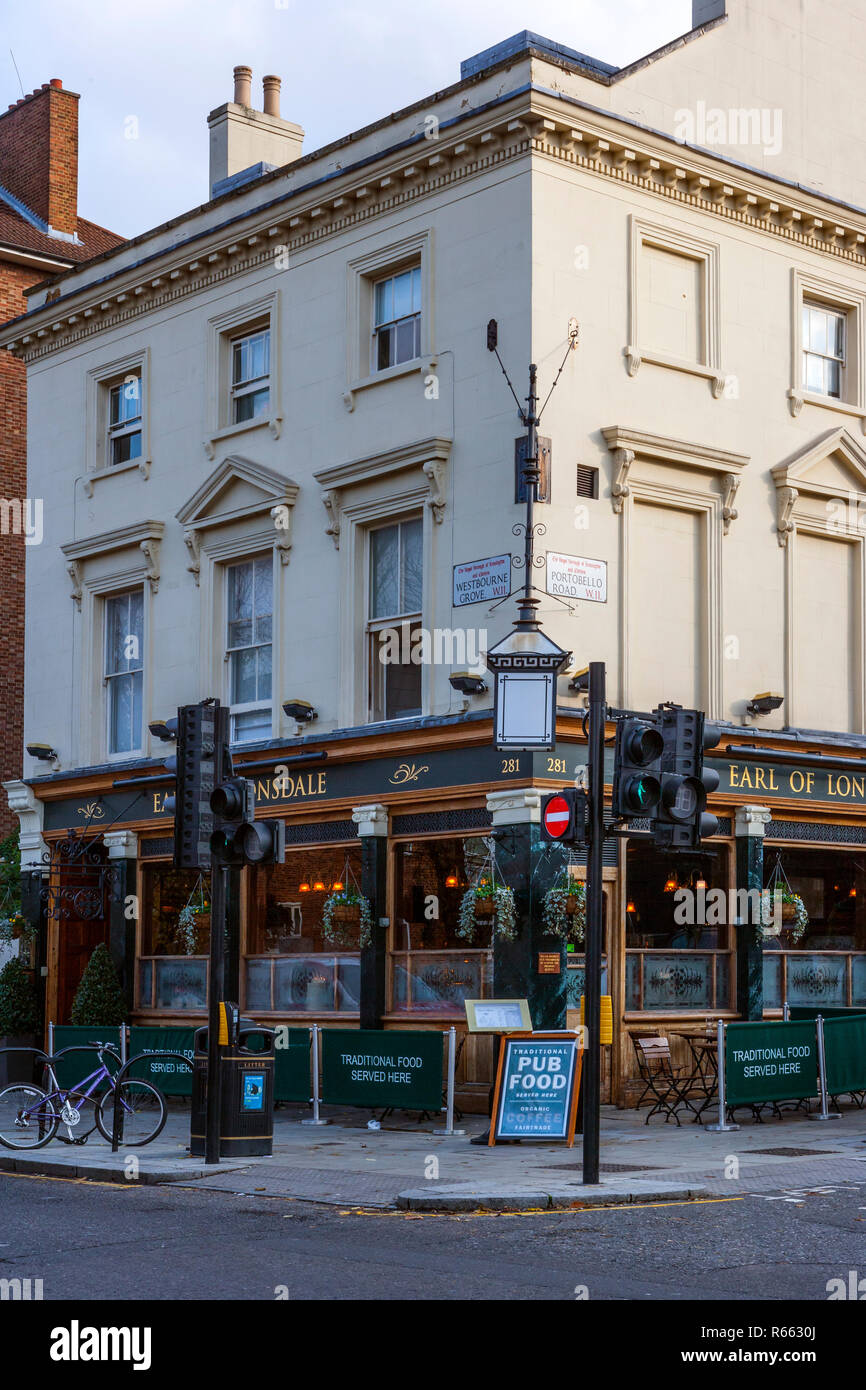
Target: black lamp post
(525, 663)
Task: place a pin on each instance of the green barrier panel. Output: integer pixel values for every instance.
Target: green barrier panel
(845, 1054)
(366, 1066)
(292, 1070)
(770, 1061)
(74, 1068)
(168, 1074)
(801, 1011)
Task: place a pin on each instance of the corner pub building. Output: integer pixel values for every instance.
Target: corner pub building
(281, 435)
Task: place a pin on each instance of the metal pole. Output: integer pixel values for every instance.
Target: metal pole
(825, 1113)
(451, 1034)
(122, 1031)
(722, 1127)
(315, 1118)
(51, 1040)
(785, 1012)
(592, 985)
(216, 986)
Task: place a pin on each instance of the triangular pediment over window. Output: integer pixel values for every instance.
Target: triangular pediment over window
(821, 481)
(236, 488)
(240, 490)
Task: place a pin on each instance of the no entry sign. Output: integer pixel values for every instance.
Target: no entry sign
(557, 817)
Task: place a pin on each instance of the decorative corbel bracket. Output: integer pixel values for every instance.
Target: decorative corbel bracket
(281, 515)
(730, 485)
(624, 458)
(787, 497)
(331, 503)
(192, 541)
(795, 402)
(717, 386)
(633, 360)
(74, 570)
(150, 550)
(434, 472)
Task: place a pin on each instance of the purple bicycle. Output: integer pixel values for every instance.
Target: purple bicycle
(30, 1117)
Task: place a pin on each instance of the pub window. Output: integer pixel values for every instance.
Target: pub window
(678, 945)
(826, 963)
(249, 633)
(123, 670)
(175, 939)
(395, 597)
(434, 968)
(293, 964)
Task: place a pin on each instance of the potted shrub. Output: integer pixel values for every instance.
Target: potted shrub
(344, 910)
(565, 909)
(19, 1022)
(99, 1000)
(487, 902)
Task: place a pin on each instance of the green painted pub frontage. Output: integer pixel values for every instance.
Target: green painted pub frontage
(415, 819)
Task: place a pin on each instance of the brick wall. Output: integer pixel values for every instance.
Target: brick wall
(39, 154)
(13, 484)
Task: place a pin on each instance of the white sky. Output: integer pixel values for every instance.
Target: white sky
(343, 65)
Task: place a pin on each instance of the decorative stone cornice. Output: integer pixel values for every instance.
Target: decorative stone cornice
(145, 536)
(627, 444)
(30, 812)
(752, 821)
(516, 806)
(430, 456)
(121, 844)
(371, 819)
(533, 122)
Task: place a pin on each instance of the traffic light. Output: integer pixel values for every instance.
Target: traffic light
(233, 804)
(238, 838)
(636, 770)
(681, 819)
(193, 765)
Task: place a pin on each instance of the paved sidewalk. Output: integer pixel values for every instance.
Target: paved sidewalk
(409, 1165)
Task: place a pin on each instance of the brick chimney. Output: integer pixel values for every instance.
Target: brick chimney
(39, 154)
(245, 143)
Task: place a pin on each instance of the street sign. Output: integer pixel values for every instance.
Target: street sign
(576, 576)
(480, 581)
(557, 817)
(537, 1085)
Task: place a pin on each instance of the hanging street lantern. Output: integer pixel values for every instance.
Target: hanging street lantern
(525, 665)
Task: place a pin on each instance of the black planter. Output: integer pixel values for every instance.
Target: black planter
(17, 1067)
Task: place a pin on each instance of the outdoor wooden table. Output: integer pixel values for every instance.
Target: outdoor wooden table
(704, 1079)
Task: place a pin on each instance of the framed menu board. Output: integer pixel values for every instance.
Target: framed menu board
(537, 1086)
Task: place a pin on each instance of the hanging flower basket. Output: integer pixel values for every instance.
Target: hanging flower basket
(795, 915)
(487, 902)
(341, 912)
(187, 924)
(565, 911)
(15, 927)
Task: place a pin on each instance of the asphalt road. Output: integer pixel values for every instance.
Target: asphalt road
(91, 1241)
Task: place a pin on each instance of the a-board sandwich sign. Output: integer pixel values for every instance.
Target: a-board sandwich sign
(537, 1085)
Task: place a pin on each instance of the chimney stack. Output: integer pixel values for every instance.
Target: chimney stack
(244, 143)
(243, 86)
(39, 155)
(271, 87)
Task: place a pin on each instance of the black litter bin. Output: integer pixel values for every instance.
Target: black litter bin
(247, 1103)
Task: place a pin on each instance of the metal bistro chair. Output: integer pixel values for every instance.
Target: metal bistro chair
(665, 1083)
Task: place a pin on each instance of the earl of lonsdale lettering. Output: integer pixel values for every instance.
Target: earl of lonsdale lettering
(278, 788)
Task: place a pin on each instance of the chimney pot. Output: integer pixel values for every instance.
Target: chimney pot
(271, 86)
(56, 82)
(243, 86)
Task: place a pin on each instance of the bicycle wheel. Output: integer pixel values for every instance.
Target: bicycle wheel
(28, 1118)
(77, 1116)
(143, 1113)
